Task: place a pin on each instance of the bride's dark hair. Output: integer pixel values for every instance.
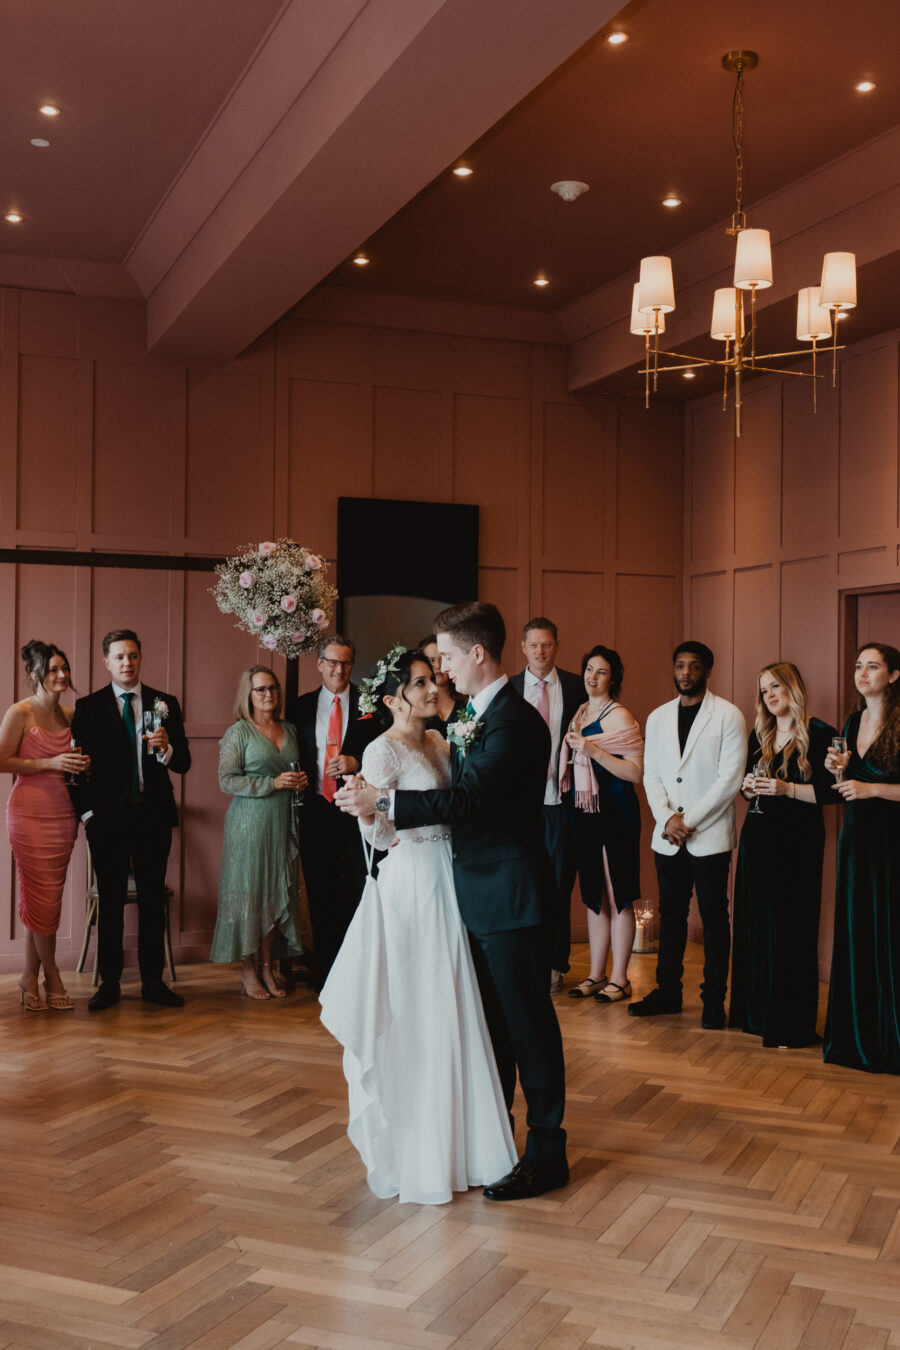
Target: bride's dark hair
(393, 681)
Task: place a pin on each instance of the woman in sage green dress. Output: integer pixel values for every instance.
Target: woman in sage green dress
(862, 1027)
(259, 886)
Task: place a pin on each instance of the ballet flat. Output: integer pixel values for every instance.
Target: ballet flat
(32, 1002)
(59, 1002)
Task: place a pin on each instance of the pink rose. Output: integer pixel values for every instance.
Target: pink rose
(298, 636)
(258, 618)
(319, 617)
(313, 562)
(288, 604)
(247, 579)
(266, 548)
(269, 641)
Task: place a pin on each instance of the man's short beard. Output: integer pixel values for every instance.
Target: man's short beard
(698, 687)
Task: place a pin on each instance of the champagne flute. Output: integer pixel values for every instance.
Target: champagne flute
(297, 794)
(758, 772)
(839, 745)
(573, 728)
(72, 775)
(148, 728)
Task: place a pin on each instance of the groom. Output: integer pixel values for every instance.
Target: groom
(501, 872)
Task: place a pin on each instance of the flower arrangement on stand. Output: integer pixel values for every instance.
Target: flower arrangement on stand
(279, 592)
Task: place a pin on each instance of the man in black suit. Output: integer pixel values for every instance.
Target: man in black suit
(557, 695)
(500, 867)
(332, 740)
(128, 808)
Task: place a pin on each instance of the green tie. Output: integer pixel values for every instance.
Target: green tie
(470, 708)
(131, 729)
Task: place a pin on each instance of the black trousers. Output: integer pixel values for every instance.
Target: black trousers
(561, 852)
(137, 841)
(679, 874)
(334, 871)
(514, 978)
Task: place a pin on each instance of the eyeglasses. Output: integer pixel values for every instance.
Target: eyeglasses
(345, 665)
(264, 689)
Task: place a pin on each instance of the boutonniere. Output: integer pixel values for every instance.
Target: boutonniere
(464, 732)
(161, 708)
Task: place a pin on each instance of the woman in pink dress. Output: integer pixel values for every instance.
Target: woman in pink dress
(35, 745)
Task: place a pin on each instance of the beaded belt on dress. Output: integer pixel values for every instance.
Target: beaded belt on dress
(424, 838)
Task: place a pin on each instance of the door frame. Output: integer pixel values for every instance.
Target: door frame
(847, 637)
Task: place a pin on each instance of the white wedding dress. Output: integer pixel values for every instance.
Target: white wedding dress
(426, 1108)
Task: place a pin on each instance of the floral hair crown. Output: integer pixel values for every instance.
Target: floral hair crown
(369, 688)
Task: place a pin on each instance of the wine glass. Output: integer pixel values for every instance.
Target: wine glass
(758, 772)
(72, 775)
(839, 745)
(297, 794)
(573, 727)
(148, 728)
(153, 722)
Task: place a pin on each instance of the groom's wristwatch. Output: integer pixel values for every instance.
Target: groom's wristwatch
(383, 803)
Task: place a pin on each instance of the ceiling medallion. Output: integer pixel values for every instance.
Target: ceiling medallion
(654, 294)
(569, 189)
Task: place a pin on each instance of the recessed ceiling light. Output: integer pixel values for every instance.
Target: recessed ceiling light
(689, 374)
(616, 39)
(361, 259)
(40, 142)
(13, 217)
(541, 281)
(463, 171)
(671, 201)
(49, 110)
(865, 86)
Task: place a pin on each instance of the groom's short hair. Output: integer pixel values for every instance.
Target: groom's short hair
(474, 623)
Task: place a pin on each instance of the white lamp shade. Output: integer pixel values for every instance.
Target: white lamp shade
(656, 290)
(642, 324)
(839, 281)
(723, 316)
(753, 260)
(813, 319)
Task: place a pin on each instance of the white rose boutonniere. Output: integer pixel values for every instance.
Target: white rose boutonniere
(161, 708)
(464, 732)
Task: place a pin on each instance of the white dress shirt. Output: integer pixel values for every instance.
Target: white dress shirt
(137, 704)
(555, 702)
(323, 713)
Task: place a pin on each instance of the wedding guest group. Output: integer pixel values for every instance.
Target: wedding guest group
(331, 739)
(36, 745)
(259, 882)
(128, 808)
(606, 761)
(556, 694)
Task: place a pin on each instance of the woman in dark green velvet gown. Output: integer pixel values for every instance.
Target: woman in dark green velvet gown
(778, 884)
(862, 1028)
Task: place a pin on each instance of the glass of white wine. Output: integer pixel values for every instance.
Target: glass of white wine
(758, 772)
(839, 746)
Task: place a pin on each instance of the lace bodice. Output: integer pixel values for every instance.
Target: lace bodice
(387, 763)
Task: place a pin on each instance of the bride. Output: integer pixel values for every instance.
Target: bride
(426, 1109)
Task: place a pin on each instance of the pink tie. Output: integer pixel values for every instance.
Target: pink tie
(543, 707)
(332, 747)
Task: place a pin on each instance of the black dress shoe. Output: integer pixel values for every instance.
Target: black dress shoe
(655, 1003)
(161, 994)
(713, 1018)
(528, 1179)
(106, 996)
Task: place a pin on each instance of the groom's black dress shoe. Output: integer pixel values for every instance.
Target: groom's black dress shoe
(161, 994)
(105, 997)
(655, 1003)
(528, 1179)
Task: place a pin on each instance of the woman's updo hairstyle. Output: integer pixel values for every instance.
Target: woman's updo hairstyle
(37, 657)
(389, 676)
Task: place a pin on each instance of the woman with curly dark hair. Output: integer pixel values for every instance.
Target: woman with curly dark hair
(862, 1027)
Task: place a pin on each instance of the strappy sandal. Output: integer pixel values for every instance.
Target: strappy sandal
(586, 988)
(58, 1002)
(620, 991)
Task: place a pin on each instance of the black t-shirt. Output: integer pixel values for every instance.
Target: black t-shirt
(686, 721)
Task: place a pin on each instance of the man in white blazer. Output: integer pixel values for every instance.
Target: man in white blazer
(695, 751)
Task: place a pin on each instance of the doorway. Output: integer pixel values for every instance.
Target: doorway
(871, 615)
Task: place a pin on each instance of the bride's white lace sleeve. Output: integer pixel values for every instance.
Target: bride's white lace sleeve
(380, 767)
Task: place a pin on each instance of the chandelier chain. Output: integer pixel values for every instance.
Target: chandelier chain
(737, 133)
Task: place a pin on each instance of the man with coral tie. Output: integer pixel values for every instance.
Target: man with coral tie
(332, 740)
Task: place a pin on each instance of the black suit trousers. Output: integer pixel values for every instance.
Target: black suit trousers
(561, 852)
(514, 978)
(334, 871)
(136, 840)
(678, 875)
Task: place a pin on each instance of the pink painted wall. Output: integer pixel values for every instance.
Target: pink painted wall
(784, 526)
(105, 448)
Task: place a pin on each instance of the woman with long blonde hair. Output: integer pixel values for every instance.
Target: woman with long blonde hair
(778, 884)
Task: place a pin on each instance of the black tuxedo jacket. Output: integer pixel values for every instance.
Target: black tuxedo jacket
(573, 695)
(493, 807)
(98, 728)
(357, 733)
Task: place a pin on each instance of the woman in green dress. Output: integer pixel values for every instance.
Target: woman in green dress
(778, 884)
(862, 1027)
(259, 886)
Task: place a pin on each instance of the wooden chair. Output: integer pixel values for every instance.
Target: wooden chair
(92, 904)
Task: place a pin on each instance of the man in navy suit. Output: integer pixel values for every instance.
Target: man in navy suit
(500, 867)
(557, 695)
(128, 808)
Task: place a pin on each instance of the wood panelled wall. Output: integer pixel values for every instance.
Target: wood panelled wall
(105, 448)
(784, 524)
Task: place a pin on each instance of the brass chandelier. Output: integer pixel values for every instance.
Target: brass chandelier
(733, 321)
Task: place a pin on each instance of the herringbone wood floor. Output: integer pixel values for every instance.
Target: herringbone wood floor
(175, 1179)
